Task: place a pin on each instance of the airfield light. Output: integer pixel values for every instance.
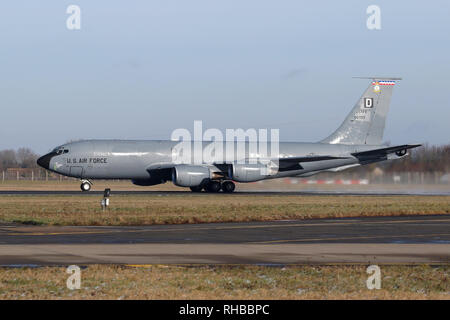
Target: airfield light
(105, 200)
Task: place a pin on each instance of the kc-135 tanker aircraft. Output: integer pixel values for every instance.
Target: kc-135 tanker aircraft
(358, 141)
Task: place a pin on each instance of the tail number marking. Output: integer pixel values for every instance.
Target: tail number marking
(368, 102)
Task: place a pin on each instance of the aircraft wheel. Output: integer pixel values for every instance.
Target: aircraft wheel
(228, 186)
(196, 189)
(213, 186)
(85, 186)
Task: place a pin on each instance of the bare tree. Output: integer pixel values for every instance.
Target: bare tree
(8, 159)
(26, 158)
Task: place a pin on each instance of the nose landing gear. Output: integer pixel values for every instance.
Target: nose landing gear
(85, 185)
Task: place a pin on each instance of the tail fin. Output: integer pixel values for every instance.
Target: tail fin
(365, 123)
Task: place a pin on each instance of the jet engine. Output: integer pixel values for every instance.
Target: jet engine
(190, 176)
(250, 172)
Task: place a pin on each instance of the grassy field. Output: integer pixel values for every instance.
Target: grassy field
(202, 208)
(226, 282)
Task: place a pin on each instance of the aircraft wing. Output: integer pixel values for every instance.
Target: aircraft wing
(308, 159)
(162, 171)
(286, 163)
(293, 163)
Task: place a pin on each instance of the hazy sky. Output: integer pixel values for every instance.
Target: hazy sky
(140, 69)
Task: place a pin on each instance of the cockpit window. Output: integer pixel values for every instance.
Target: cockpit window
(61, 150)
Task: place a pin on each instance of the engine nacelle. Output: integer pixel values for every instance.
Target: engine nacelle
(250, 172)
(190, 176)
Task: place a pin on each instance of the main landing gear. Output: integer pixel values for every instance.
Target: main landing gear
(228, 186)
(196, 189)
(85, 185)
(214, 186)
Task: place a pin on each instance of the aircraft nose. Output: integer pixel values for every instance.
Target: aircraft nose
(44, 161)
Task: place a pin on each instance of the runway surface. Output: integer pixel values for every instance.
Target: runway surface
(257, 193)
(408, 239)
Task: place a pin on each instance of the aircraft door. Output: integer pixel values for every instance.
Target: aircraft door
(76, 171)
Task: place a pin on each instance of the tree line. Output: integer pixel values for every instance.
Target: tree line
(427, 158)
(20, 158)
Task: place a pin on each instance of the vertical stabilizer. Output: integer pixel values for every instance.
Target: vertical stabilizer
(365, 123)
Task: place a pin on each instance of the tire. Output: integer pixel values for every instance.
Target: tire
(213, 186)
(228, 186)
(85, 187)
(196, 189)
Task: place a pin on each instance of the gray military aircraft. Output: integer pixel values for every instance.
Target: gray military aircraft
(358, 141)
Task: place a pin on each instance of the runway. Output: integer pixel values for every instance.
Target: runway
(406, 239)
(255, 193)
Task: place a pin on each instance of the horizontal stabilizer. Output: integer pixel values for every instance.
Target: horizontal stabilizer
(385, 151)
